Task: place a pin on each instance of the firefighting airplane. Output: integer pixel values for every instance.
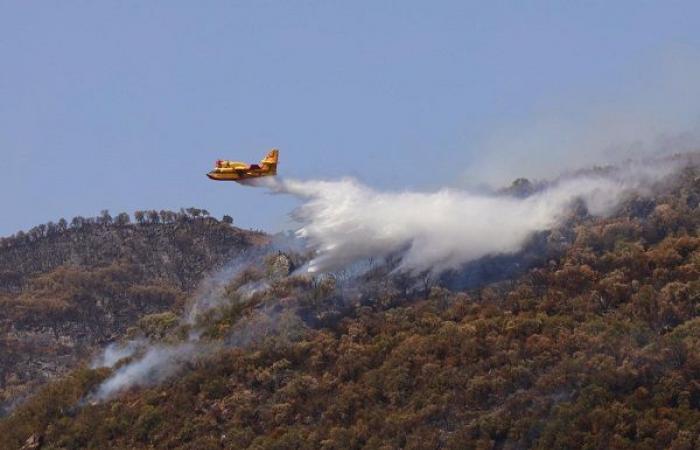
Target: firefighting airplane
(238, 171)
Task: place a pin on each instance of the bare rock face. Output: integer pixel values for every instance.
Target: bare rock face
(280, 266)
(32, 443)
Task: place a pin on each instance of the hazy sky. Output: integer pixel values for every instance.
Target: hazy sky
(125, 105)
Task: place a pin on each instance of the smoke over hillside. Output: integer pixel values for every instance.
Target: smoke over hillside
(157, 363)
(345, 221)
(654, 112)
(380, 356)
(151, 363)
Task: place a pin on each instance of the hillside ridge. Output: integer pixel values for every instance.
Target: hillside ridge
(66, 290)
(594, 343)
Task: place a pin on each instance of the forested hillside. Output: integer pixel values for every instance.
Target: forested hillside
(595, 345)
(67, 289)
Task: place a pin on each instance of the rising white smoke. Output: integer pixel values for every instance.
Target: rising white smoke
(210, 291)
(655, 111)
(346, 221)
(156, 364)
(151, 364)
(115, 352)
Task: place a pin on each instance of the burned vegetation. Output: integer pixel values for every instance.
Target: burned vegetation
(591, 341)
(67, 289)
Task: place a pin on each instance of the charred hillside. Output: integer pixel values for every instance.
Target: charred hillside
(594, 346)
(176, 247)
(68, 289)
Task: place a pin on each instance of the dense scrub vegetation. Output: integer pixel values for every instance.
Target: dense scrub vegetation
(67, 289)
(597, 347)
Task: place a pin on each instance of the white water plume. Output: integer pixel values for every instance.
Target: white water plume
(346, 221)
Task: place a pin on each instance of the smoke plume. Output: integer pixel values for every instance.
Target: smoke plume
(156, 364)
(153, 363)
(346, 222)
(115, 352)
(653, 112)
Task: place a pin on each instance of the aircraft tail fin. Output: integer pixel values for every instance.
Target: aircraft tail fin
(270, 160)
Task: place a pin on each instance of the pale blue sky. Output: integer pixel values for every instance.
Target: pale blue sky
(125, 105)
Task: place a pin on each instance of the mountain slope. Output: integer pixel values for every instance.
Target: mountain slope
(66, 290)
(596, 347)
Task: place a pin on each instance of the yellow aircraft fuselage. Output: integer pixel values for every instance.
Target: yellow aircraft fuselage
(237, 171)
